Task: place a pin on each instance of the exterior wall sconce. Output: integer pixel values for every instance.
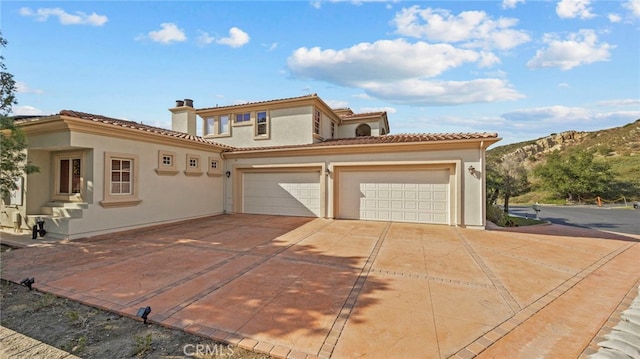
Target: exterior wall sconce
(327, 171)
(228, 174)
(472, 170)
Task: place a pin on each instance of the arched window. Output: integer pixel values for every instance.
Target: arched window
(363, 130)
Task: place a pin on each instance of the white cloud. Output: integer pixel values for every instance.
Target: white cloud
(388, 110)
(569, 9)
(26, 111)
(22, 87)
(563, 113)
(384, 60)
(633, 6)
(396, 70)
(237, 38)
(437, 93)
(564, 85)
(614, 17)
(472, 29)
(204, 38)
(580, 48)
(169, 33)
(510, 4)
(65, 18)
(620, 103)
(271, 47)
(546, 120)
(337, 103)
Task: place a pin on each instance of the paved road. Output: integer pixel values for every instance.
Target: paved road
(601, 218)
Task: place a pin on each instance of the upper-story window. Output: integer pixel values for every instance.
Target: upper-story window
(316, 122)
(218, 125)
(243, 117)
(262, 124)
(363, 130)
(333, 130)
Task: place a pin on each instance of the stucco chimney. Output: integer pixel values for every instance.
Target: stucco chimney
(183, 117)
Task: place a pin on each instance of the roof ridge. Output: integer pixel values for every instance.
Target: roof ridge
(262, 102)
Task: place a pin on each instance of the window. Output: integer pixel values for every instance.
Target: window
(121, 180)
(223, 125)
(333, 130)
(69, 176)
(363, 130)
(217, 126)
(167, 163)
(193, 165)
(209, 128)
(316, 122)
(215, 167)
(121, 177)
(243, 118)
(262, 124)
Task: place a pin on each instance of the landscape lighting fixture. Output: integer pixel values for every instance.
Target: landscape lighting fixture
(28, 282)
(144, 313)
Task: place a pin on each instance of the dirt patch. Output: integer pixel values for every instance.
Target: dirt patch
(92, 333)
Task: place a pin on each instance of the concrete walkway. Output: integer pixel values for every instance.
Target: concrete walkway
(299, 287)
(16, 345)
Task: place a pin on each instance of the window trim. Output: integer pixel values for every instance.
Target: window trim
(267, 133)
(218, 170)
(193, 171)
(167, 170)
(118, 200)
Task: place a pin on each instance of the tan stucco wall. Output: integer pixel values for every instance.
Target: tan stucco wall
(348, 130)
(288, 126)
(164, 198)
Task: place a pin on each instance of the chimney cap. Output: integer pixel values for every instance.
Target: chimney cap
(188, 102)
(179, 103)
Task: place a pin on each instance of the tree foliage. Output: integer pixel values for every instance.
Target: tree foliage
(574, 176)
(505, 179)
(13, 144)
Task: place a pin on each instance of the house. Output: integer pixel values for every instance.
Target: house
(294, 156)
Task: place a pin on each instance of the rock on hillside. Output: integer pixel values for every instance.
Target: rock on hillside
(618, 141)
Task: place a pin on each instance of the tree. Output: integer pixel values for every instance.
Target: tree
(506, 179)
(574, 175)
(13, 144)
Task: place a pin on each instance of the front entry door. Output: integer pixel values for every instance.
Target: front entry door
(69, 181)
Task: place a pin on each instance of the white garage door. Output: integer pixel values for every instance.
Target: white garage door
(282, 193)
(402, 196)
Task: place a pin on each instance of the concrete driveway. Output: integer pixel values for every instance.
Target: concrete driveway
(299, 287)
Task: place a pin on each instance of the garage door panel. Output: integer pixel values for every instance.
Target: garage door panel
(406, 196)
(282, 193)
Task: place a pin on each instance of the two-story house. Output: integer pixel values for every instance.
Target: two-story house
(294, 156)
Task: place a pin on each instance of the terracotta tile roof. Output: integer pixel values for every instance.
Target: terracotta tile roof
(360, 115)
(259, 102)
(386, 139)
(138, 126)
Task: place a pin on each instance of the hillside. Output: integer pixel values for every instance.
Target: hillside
(618, 146)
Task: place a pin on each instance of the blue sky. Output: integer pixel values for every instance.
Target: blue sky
(521, 68)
